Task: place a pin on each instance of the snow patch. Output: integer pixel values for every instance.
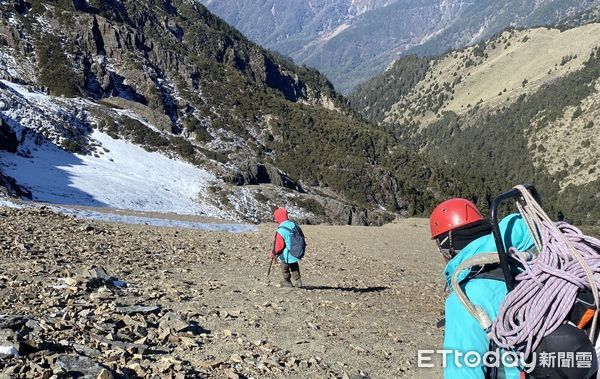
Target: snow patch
(119, 174)
(9, 204)
(126, 177)
(159, 222)
(13, 21)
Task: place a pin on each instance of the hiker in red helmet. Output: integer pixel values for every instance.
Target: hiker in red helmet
(288, 248)
(461, 232)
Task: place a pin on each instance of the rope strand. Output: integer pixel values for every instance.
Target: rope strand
(568, 261)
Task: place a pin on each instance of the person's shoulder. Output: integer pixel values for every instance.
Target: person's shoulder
(516, 232)
(513, 217)
(286, 225)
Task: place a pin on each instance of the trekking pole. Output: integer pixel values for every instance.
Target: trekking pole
(272, 251)
(270, 265)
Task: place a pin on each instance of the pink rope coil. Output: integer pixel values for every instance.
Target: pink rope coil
(547, 288)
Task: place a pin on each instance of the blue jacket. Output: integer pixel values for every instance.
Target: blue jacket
(463, 332)
(285, 256)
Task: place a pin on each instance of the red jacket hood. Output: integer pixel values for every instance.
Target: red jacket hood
(280, 215)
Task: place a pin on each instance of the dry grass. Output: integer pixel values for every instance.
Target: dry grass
(571, 143)
(514, 63)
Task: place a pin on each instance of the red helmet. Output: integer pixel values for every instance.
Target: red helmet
(453, 214)
(280, 215)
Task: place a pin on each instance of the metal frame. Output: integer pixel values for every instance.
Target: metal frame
(502, 253)
(492, 372)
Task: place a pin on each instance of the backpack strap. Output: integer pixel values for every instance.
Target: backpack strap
(289, 230)
(285, 228)
(493, 271)
(475, 310)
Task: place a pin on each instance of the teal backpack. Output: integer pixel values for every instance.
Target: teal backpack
(298, 243)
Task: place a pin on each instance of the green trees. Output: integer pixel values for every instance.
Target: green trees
(55, 71)
(378, 94)
(486, 154)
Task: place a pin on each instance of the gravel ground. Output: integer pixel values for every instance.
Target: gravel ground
(199, 304)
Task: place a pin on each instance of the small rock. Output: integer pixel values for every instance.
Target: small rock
(102, 294)
(81, 366)
(138, 309)
(172, 321)
(72, 282)
(105, 374)
(99, 272)
(87, 351)
(12, 322)
(230, 374)
(236, 358)
(87, 228)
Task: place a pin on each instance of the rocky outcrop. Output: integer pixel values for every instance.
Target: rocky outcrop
(8, 138)
(64, 124)
(344, 214)
(253, 172)
(9, 143)
(176, 79)
(9, 187)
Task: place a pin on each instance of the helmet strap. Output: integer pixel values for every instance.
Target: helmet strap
(447, 253)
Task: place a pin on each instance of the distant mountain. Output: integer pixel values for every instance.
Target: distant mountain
(523, 106)
(98, 95)
(353, 40)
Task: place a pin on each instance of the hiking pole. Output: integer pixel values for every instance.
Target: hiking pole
(272, 252)
(270, 265)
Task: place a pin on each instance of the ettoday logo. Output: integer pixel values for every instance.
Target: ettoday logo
(498, 358)
(472, 359)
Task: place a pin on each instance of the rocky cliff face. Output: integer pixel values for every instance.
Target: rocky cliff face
(351, 41)
(9, 187)
(271, 23)
(171, 77)
(10, 143)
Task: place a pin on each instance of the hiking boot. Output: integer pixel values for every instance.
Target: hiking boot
(285, 283)
(298, 283)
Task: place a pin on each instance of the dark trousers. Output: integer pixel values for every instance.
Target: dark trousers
(291, 270)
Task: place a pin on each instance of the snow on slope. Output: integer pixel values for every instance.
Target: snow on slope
(8, 204)
(119, 174)
(161, 222)
(136, 220)
(126, 176)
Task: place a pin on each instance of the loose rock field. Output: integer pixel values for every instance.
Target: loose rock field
(106, 300)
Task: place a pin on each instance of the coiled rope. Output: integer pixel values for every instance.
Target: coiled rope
(546, 291)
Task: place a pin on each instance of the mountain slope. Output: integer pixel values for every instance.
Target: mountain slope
(271, 22)
(174, 79)
(351, 41)
(520, 107)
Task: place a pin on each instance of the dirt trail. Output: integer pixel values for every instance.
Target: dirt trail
(372, 296)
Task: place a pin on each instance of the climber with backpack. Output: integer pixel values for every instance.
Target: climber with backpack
(528, 289)
(461, 232)
(288, 247)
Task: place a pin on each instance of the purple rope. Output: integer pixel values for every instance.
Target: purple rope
(546, 289)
